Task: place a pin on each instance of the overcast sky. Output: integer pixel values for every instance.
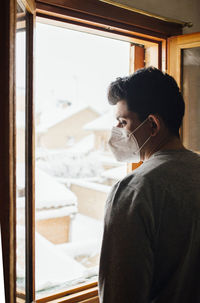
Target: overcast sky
(77, 66)
(72, 65)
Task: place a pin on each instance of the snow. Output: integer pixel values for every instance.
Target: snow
(67, 164)
(49, 193)
(85, 228)
(43, 214)
(53, 266)
(82, 248)
(116, 173)
(86, 236)
(106, 158)
(83, 146)
(55, 115)
(105, 122)
(56, 265)
(56, 212)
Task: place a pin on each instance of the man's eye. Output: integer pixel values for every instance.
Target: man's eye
(123, 122)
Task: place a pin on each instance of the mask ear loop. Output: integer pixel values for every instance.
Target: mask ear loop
(143, 145)
(138, 127)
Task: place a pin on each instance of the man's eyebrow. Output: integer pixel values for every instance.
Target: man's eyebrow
(120, 117)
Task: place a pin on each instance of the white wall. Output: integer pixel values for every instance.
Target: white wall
(184, 10)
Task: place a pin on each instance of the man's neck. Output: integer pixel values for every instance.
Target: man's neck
(166, 143)
(174, 143)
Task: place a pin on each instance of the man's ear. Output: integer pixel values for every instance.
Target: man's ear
(155, 124)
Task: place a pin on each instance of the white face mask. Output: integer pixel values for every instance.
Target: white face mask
(124, 144)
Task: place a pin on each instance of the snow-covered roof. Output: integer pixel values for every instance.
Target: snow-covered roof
(104, 122)
(64, 270)
(116, 173)
(56, 115)
(49, 193)
(43, 214)
(62, 267)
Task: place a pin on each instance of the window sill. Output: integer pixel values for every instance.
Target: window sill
(84, 294)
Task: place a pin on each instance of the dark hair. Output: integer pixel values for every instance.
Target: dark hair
(150, 91)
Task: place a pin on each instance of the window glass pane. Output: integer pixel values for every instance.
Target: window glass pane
(20, 148)
(191, 93)
(74, 167)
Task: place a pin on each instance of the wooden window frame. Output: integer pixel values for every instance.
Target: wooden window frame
(175, 46)
(7, 143)
(76, 294)
(91, 14)
(96, 11)
(30, 163)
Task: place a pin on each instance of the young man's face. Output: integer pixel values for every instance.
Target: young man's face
(130, 121)
(125, 118)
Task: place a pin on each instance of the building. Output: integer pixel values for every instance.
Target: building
(101, 128)
(64, 125)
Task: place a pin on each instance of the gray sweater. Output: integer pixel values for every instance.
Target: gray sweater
(151, 243)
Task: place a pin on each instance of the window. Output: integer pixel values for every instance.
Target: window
(73, 180)
(74, 169)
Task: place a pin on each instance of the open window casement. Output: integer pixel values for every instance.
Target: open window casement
(147, 37)
(184, 66)
(24, 151)
(17, 23)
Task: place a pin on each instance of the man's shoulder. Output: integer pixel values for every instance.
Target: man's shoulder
(162, 168)
(146, 172)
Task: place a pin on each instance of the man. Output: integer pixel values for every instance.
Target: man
(151, 243)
